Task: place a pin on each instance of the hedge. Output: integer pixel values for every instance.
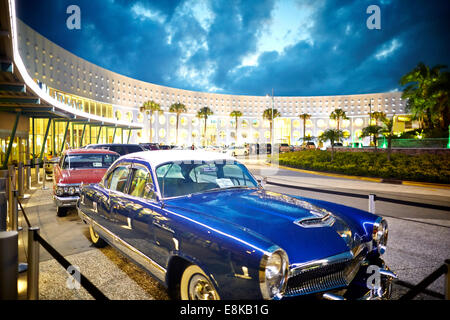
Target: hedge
(423, 167)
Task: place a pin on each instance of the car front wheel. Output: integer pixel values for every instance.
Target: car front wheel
(195, 285)
(61, 211)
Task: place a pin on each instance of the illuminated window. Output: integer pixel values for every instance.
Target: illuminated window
(162, 132)
(359, 122)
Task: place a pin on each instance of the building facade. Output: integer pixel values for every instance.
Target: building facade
(95, 90)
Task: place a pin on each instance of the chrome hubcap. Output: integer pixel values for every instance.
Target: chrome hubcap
(201, 289)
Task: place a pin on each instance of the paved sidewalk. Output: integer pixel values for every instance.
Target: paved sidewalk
(116, 276)
(293, 177)
(418, 237)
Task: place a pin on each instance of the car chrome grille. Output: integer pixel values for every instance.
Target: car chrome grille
(318, 278)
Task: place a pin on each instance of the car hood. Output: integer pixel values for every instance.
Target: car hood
(81, 175)
(272, 216)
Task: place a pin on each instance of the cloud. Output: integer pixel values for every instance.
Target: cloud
(297, 47)
(388, 50)
(143, 13)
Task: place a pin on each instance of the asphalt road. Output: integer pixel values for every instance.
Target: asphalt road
(419, 239)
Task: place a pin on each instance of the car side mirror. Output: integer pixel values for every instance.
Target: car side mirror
(262, 182)
(149, 188)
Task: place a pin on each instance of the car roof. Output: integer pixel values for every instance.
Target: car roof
(157, 157)
(111, 144)
(82, 151)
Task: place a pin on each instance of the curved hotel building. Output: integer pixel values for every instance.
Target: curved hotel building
(102, 106)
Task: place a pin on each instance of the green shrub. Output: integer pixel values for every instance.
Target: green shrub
(422, 167)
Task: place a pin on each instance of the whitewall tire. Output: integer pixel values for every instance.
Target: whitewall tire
(196, 285)
(95, 238)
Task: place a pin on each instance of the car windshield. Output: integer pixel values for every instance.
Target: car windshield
(88, 160)
(182, 178)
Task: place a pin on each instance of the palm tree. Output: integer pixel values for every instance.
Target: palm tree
(374, 131)
(304, 117)
(204, 113)
(421, 98)
(378, 116)
(337, 115)
(270, 114)
(332, 135)
(387, 131)
(178, 108)
(150, 107)
(236, 114)
(440, 90)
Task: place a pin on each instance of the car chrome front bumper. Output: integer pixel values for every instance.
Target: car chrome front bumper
(382, 293)
(65, 201)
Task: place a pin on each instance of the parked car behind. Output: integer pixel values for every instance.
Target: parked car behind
(236, 151)
(76, 167)
(120, 148)
(214, 148)
(308, 145)
(284, 147)
(253, 148)
(201, 224)
(150, 146)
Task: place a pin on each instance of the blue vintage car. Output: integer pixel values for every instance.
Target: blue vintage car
(202, 225)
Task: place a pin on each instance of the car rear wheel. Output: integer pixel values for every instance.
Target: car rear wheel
(95, 238)
(195, 285)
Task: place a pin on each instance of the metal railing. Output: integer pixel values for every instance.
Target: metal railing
(9, 205)
(422, 286)
(34, 242)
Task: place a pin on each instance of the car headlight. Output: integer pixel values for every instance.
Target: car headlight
(59, 191)
(380, 234)
(67, 190)
(273, 273)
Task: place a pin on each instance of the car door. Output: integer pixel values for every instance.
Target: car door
(143, 214)
(118, 185)
(97, 198)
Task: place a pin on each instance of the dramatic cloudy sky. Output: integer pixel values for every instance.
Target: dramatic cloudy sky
(296, 47)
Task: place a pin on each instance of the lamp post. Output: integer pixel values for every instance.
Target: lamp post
(272, 129)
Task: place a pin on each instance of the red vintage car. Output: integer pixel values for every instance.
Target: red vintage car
(76, 167)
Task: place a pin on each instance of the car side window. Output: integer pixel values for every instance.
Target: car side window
(141, 177)
(118, 179)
